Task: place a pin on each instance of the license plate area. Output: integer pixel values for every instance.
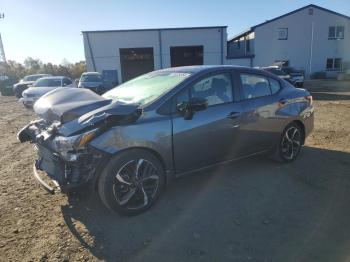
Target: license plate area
(51, 163)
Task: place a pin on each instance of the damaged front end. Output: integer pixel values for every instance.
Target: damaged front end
(62, 146)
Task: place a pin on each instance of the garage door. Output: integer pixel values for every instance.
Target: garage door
(186, 55)
(135, 62)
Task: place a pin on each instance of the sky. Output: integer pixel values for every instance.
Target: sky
(51, 30)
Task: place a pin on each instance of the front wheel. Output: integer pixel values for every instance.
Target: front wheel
(131, 182)
(290, 143)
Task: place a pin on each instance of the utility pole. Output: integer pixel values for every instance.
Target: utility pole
(2, 52)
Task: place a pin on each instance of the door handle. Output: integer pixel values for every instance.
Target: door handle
(233, 115)
(282, 101)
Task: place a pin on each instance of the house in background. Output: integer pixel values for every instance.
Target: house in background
(311, 38)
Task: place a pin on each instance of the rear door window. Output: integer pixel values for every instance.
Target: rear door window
(254, 86)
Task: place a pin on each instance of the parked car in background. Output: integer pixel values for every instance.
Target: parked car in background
(24, 83)
(278, 72)
(132, 140)
(296, 75)
(43, 86)
(92, 81)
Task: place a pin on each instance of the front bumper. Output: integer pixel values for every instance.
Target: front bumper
(64, 173)
(56, 174)
(43, 183)
(28, 101)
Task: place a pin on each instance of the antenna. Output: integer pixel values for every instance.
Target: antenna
(2, 52)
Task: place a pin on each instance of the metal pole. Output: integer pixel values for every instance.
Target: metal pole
(311, 47)
(2, 52)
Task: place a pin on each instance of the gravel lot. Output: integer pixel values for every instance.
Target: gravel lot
(252, 210)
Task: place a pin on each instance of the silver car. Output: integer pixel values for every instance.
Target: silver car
(43, 86)
(133, 140)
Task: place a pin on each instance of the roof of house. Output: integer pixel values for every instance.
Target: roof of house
(251, 29)
(154, 29)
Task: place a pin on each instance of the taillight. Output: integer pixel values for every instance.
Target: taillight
(310, 99)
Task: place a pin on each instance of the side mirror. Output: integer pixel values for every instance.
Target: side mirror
(195, 104)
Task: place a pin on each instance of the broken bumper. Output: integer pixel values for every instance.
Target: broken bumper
(56, 174)
(43, 183)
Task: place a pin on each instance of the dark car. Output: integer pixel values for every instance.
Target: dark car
(296, 75)
(24, 83)
(133, 140)
(280, 73)
(92, 81)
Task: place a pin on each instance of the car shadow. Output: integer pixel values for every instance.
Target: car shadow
(252, 210)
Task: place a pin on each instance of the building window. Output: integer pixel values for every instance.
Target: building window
(334, 64)
(247, 45)
(282, 33)
(336, 32)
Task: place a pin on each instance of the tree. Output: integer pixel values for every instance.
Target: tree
(32, 65)
(16, 71)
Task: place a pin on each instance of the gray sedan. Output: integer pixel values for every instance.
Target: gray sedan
(137, 137)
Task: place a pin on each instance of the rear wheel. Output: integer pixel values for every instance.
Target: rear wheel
(290, 143)
(131, 182)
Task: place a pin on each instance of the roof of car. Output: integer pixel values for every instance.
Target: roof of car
(53, 77)
(38, 75)
(91, 73)
(200, 68)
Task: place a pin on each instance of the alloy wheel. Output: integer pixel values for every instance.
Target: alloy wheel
(136, 184)
(291, 143)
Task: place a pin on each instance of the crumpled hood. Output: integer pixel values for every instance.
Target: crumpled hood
(39, 91)
(65, 104)
(79, 108)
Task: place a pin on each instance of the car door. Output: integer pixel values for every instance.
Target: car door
(210, 136)
(260, 126)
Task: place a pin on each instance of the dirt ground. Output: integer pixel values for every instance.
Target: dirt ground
(252, 210)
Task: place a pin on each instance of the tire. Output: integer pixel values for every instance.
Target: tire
(121, 190)
(289, 144)
(17, 95)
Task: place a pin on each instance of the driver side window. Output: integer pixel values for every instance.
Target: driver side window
(217, 89)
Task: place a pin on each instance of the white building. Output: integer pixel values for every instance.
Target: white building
(311, 38)
(128, 53)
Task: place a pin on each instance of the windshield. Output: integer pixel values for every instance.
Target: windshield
(91, 78)
(146, 88)
(50, 82)
(33, 78)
